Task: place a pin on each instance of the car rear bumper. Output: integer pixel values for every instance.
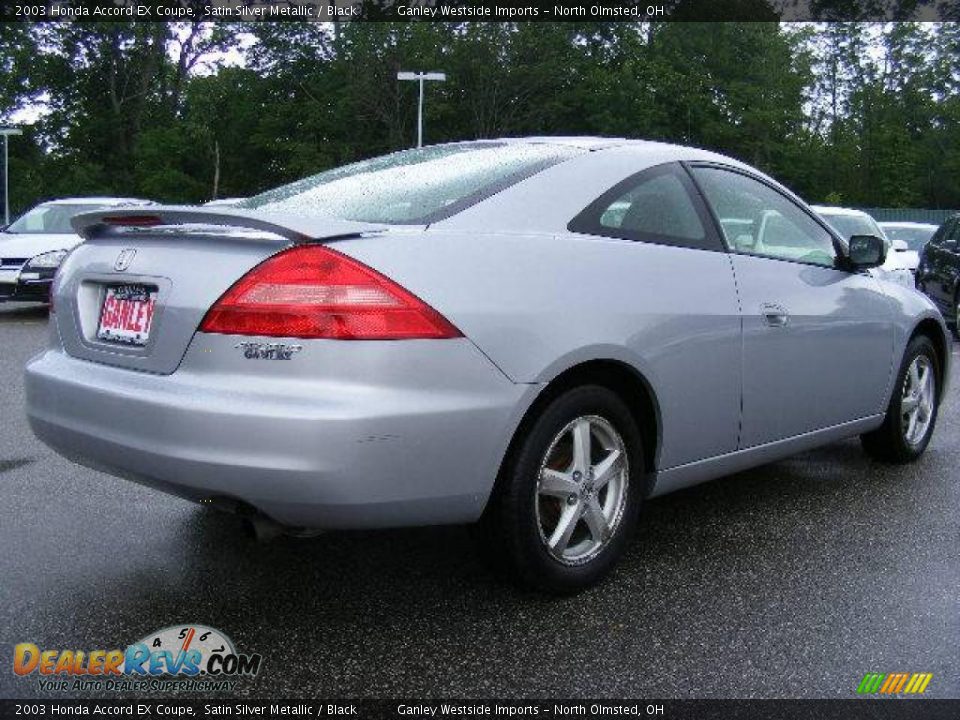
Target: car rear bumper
(331, 444)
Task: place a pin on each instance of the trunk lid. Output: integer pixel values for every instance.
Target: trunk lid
(182, 258)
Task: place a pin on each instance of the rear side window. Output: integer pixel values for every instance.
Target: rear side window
(414, 186)
(657, 206)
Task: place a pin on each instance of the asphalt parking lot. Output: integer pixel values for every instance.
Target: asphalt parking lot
(792, 580)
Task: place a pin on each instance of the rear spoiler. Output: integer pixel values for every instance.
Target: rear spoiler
(296, 228)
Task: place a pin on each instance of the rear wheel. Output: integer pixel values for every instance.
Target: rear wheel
(912, 412)
(568, 499)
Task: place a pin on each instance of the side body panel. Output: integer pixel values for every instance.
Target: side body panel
(817, 347)
(538, 304)
(908, 309)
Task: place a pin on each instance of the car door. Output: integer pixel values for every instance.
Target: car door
(942, 267)
(930, 259)
(817, 339)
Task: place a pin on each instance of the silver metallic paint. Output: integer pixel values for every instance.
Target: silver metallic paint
(363, 434)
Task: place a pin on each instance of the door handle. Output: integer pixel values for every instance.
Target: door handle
(774, 315)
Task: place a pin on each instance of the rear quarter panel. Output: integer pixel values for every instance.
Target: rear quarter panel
(538, 304)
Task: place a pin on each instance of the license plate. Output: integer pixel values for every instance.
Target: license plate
(127, 314)
(9, 276)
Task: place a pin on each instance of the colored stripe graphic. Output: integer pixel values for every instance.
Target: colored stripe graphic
(894, 683)
(870, 683)
(888, 683)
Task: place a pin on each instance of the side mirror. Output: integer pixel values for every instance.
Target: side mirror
(866, 251)
(900, 246)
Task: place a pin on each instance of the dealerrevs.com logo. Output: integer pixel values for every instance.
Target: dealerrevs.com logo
(180, 657)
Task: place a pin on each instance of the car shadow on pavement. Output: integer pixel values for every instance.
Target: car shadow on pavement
(404, 574)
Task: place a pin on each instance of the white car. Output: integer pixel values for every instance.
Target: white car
(33, 246)
(911, 236)
(901, 263)
(224, 202)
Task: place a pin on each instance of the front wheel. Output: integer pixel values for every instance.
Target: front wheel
(912, 412)
(569, 494)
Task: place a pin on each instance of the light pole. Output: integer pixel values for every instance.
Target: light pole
(7, 132)
(421, 76)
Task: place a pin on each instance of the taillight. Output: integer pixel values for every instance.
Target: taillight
(314, 292)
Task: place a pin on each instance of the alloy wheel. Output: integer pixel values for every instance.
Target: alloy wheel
(582, 489)
(917, 403)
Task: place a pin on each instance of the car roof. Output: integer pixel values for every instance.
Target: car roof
(586, 142)
(97, 200)
(595, 142)
(564, 188)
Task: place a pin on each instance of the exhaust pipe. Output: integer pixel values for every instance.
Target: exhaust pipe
(263, 529)
(258, 526)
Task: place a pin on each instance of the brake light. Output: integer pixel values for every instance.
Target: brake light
(133, 220)
(314, 292)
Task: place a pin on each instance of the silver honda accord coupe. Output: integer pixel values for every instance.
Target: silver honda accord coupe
(535, 333)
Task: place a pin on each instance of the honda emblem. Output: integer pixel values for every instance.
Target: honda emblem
(124, 259)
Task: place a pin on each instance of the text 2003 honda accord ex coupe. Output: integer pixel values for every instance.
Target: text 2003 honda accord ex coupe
(537, 333)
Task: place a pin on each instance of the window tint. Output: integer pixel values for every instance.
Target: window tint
(758, 220)
(654, 206)
(413, 186)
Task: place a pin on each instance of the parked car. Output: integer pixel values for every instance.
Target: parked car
(900, 264)
(467, 332)
(938, 275)
(32, 247)
(915, 235)
(224, 202)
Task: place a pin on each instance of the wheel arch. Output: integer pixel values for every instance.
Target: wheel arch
(623, 379)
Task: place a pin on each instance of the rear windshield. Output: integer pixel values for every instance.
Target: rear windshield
(914, 237)
(49, 219)
(413, 186)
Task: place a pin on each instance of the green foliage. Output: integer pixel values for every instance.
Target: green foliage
(857, 112)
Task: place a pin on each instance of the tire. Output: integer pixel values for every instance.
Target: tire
(546, 488)
(895, 441)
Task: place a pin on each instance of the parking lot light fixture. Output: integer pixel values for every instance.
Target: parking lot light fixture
(421, 77)
(7, 132)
